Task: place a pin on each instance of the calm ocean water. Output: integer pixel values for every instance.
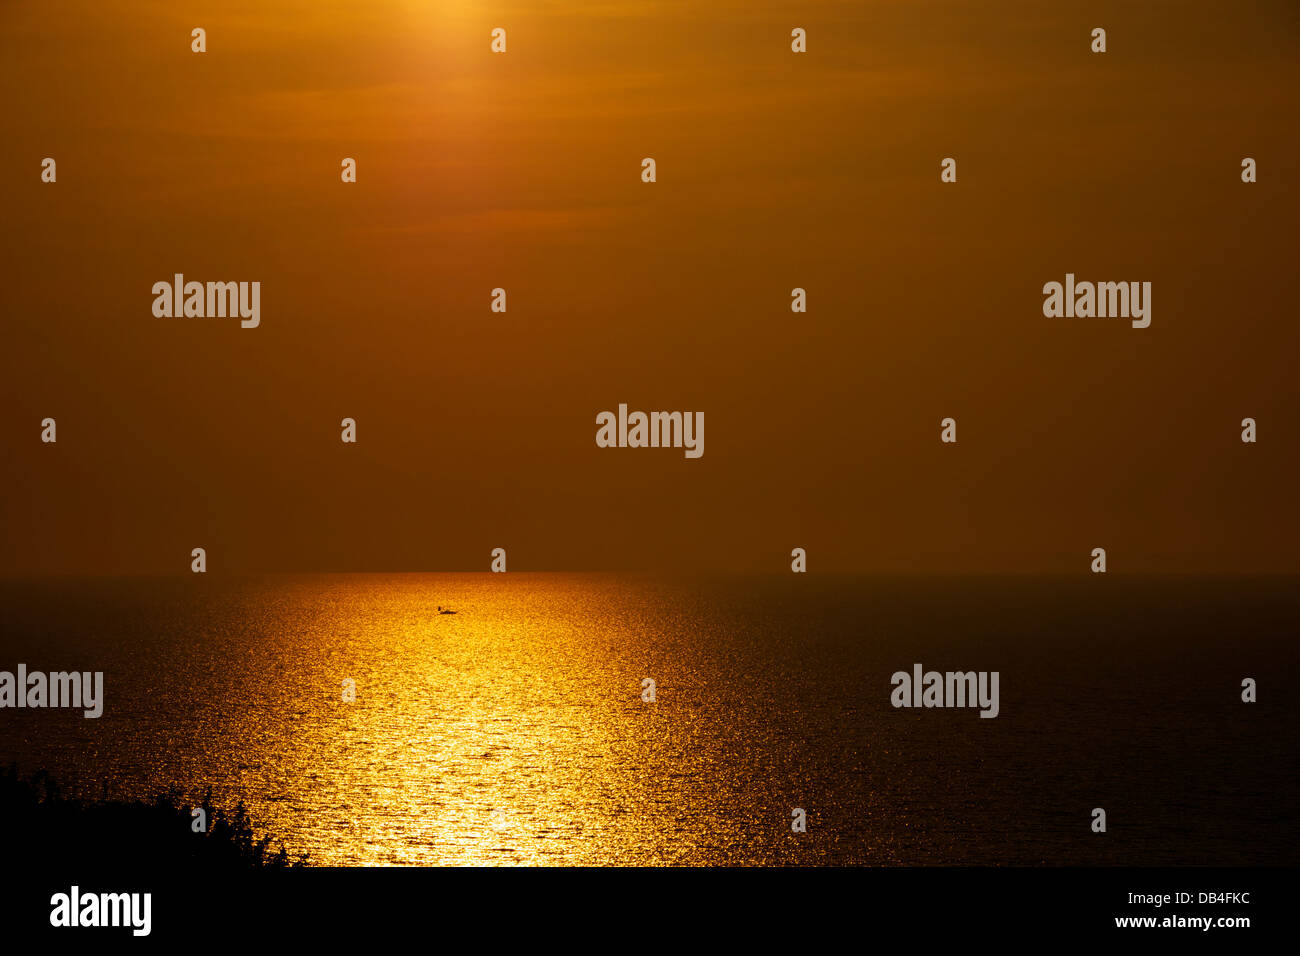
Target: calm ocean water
(514, 731)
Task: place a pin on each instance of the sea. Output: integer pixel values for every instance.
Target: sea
(523, 729)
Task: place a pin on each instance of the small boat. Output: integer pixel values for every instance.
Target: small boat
(448, 611)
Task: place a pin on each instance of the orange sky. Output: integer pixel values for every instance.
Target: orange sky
(775, 170)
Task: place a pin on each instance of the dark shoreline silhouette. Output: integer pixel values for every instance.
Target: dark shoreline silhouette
(39, 822)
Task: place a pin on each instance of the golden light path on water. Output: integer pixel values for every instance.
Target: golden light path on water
(513, 731)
